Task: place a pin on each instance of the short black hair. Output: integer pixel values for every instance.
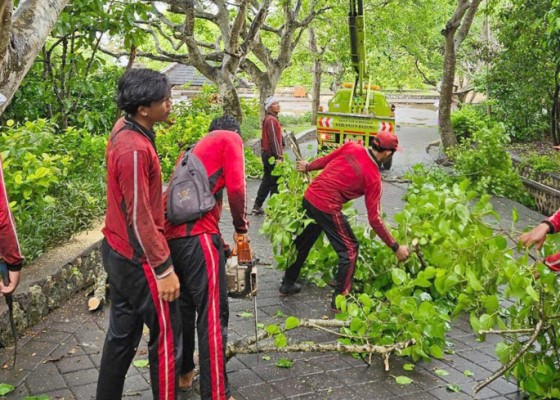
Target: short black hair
(225, 123)
(141, 87)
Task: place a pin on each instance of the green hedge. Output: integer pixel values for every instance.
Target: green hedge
(55, 181)
(56, 178)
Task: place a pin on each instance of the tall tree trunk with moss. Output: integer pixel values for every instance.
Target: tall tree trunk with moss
(22, 35)
(455, 31)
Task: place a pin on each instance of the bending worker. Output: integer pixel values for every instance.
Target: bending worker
(348, 173)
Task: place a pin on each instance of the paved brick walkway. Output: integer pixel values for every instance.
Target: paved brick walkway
(60, 356)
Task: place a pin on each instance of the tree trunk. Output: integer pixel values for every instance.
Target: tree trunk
(316, 90)
(21, 38)
(265, 90)
(455, 31)
(317, 74)
(448, 138)
(230, 98)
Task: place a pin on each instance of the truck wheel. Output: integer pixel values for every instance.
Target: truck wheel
(387, 163)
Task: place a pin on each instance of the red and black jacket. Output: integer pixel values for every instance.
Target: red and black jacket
(554, 222)
(221, 152)
(271, 141)
(134, 221)
(9, 244)
(348, 173)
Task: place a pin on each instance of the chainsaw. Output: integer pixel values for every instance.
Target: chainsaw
(241, 274)
(241, 271)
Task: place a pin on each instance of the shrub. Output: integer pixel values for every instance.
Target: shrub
(188, 127)
(466, 121)
(96, 108)
(484, 161)
(55, 180)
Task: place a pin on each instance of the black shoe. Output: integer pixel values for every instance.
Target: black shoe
(288, 288)
(257, 211)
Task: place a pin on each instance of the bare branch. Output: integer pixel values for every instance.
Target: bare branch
(196, 57)
(277, 31)
(467, 22)
(511, 363)
(424, 77)
(455, 21)
(238, 25)
(256, 25)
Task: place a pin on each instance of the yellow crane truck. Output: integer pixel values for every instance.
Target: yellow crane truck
(358, 110)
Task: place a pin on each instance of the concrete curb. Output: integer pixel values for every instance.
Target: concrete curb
(51, 280)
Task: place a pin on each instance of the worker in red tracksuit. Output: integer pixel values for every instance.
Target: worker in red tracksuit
(348, 172)
(271, 147)
(143, 284)
(9, 245)
(537, 236)
(197, 249)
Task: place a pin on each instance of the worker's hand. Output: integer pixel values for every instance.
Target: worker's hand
(301, 166)
(14, 281)
(168, 287)
(243, 237)
(536, 236)
(402, 253)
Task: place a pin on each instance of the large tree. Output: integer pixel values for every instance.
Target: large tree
(213, 36)
(455, 32)
(22, 34)
(277, 41)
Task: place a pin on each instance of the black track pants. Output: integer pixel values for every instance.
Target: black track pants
(269, 183)
(342, 239)
(200, 263)
(134, 302)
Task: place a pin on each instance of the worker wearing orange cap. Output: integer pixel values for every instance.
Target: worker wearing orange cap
(349, 172)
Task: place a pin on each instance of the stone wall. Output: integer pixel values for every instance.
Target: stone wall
(51, 280)
(543, 186)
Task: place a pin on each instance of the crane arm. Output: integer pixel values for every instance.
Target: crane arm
(357, 42)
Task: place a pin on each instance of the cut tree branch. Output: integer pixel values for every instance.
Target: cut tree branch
(536, 332)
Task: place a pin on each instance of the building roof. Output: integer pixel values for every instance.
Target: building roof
(179, 74)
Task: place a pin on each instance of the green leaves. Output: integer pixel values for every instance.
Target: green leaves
(399, 276)
(453, 387)
(280, 340)
(141, 363)
(403, 380)
(5, 389)
(284, 363)
(467, 262)
(291, 323)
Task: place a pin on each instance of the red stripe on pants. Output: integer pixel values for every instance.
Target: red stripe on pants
(166, 356)
(352, 254)
(215, 343)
